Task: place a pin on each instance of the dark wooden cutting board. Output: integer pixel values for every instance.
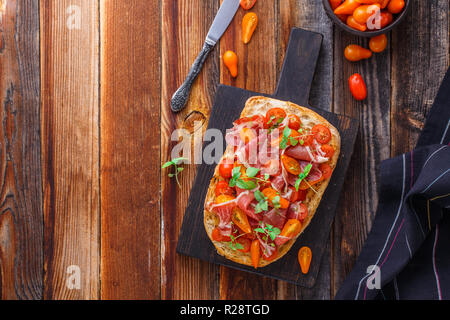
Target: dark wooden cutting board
(294, 85)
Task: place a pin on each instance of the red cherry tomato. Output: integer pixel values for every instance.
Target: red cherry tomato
(247, 4)
(274, 116)
(246, 243)
(299, 195)
(222, 187)
(218, 236)
(357, 87)
(326, 171)
(321, 133)
(225, 170)
(328, 150)
(294, 122)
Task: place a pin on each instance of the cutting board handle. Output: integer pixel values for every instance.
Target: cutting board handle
(299, 66)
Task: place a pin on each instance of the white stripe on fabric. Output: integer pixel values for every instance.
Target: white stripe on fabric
(438, 285)
(407, 244)
(397, 293)
(435, 180)
(431, 156)
(445, 132)
(390, 231)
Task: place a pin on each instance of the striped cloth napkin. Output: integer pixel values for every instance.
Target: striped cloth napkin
(407, 253)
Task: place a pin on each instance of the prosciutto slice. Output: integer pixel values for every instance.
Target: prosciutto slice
(300, 153)
(224, 213)
(275, 217)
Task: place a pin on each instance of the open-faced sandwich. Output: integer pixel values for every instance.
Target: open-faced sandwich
(271, 178)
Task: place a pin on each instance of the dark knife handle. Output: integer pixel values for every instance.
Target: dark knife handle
(180, 97)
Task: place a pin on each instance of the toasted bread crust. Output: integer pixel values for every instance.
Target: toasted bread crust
(259, 106)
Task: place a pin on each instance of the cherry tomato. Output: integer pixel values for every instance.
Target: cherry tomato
(328, 150)
(246, 243)
(291, 228)
(326, 171)
(272, 256)
(335, 3)
(240, 219)
(385, 19)
(304, 259)
(292, 166)
(222, 187)
(275, 115)
(378, 44)
(255, 253)
(294, 122)
(307, 138)
(321, 133)
(218, 236)
(225, 170)
(294, 134)
(303, 212)
(357, 87)
(224, 198)
(396, 6)
(247, 4)
(347, 7)
(271, 194)
(353, 52)
(249, 23)
(364, 12)
(352, 23)
(299, 195)
(230, 60)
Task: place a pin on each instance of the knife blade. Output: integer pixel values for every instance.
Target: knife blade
(221, 22)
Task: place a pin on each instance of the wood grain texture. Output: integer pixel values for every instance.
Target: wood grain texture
(420, 58)
(185, 24)
(257, 71)
(21, 218)
(130, 148)
(359, 197)
(70, 146)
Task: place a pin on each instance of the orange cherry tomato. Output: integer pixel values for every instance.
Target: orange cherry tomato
(354, 52)
(294, 122)
(342, 17)
(357, 87)
(363, 13)
(247, 135)
(249, 23)
(225, 170)
(247, 4)
(352, 23)
(275, 115)
(347, 7)
(384, 3)
(335, 3)
(291, 228)
(222, 187)
(218, 236)
(255, 253)
(328, 150)
(384, 19)
(304, 258)
(271, 194)
(224, 198)
(321, 133)
(230, 60)
(378, 44)
(292, 166)
(272, 256)
(396, 6)
(246, 243)
(240, 219)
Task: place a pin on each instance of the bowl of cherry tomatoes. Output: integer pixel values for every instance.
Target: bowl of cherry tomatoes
(366, 18)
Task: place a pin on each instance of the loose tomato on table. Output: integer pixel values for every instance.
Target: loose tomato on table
(304, 259)
(294, 122)
(225, 170)
(271, 194)
(357, 87)
(255, 253)
(222, 187)
(291, 165)
(327, 150)
(321, 133)
(240, 219)
(378, 44)
(249, 23)
(247, 4)
(354, 52)
(230, 60)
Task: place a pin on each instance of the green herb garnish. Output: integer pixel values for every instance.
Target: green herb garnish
(262, 202)
(303, 175)
(174, 163)
(268, 230)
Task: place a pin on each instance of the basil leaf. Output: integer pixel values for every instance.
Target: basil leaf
(175, 161)
(167, 164)
(266, 176)
(260, 230)
(287, 132)
(251, 172)
(259, 196)
(246, 185)
(293, 141)
(239, 246)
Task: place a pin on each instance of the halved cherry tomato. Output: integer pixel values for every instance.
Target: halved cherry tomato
(271, 194)
(321, 133)
(292, 166)
(225, 170)
(396, 6)
(357, 87)
(328, 150)
(354, 52)
(272, 256)
(378, 44)
(347, 7)
(255, 253)
(364, 12)
(352, 23)
(294, 122)
(249, 24)
(224, 198)
(335, 3)
(222, 187)
(291, 228)
(326, 171)
(247, 4)
(304, 259)
(275, 115)
(247, 135)
(306, 139)
(299, 195)
(246, 243)
(240, 219)
(303, 212)
(218, 236)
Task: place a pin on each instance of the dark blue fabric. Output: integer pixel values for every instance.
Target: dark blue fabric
(410, 238)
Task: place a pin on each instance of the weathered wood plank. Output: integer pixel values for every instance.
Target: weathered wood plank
(70, 146)
(257, 71)
(130, 149)
(21, 217)
(421, 57)
(359, 198)
(184, 28)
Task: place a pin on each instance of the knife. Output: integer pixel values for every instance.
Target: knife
(221, 22)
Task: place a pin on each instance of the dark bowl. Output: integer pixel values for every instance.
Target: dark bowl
(397, 19)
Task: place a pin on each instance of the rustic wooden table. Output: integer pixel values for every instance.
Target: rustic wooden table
(85, 124)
